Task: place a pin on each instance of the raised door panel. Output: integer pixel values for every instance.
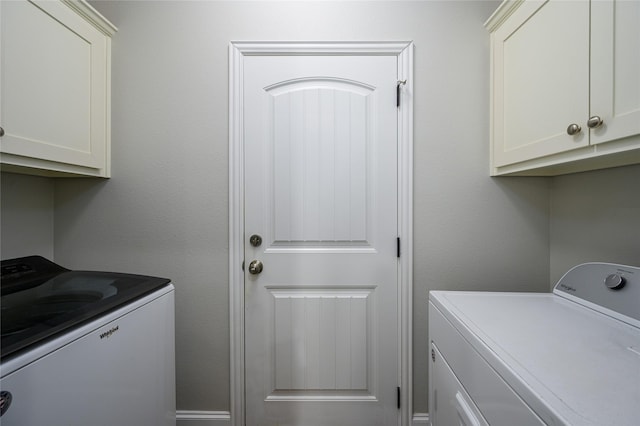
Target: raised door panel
(540, 82)
(320, 162)
(322, 342)
(615, 69)
(53, 81)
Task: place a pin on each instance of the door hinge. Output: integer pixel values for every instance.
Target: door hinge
(398, 246)
(398, 397)
(398, 91)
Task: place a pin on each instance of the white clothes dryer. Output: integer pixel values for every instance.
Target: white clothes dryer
(570, 357)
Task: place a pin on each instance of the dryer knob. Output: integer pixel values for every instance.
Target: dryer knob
(614, 281)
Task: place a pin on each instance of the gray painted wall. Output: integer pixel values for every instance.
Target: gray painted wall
(595, 218)
(26, 217)
(164, 211)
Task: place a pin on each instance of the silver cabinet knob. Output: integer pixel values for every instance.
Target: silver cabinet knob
(573, 129)
(255, 267)
(594, 122)
(1, 132)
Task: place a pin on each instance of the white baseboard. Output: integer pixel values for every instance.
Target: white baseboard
(203, 418)
(420, 419)
(219, 418)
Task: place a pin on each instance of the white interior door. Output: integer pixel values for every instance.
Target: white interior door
(321, 190)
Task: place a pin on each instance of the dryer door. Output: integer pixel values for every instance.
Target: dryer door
(449, 403)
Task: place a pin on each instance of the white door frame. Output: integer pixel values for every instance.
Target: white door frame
(237, 52)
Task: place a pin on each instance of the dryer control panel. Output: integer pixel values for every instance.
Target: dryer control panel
(606, 287)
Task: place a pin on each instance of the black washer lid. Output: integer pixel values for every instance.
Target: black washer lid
(25, 272)
(41, 300)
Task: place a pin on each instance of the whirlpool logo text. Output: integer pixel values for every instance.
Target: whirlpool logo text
(108, 333)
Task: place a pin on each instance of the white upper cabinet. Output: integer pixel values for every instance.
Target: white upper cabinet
(565, 82)
(615, 69)
(55, 88)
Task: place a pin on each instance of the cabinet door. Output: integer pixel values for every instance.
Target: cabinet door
(540, 80)
(53, 84)
(615, 69)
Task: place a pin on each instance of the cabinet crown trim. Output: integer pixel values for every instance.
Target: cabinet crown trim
(501, 14)
(94, 17)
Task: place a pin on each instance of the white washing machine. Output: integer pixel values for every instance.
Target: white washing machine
(571, 357)
(85, 348)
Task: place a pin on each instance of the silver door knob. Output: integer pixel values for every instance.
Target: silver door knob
(255, 267)
(573, 129)
(594, 122)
